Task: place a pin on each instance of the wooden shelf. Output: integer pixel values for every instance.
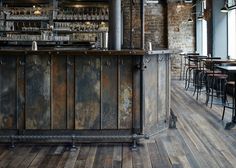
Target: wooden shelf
(73, 41)
(78, 20)
(74, 31)
(28, 19)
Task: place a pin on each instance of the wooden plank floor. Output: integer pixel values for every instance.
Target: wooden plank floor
(199, 141)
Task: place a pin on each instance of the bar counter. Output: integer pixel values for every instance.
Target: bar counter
(73, 95)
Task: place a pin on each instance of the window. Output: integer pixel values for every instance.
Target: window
(232, 34)
(204, 31)
(204, 37)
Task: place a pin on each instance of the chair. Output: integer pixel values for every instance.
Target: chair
(215, 82)
(201, 72)
(229, 84)
(190, 65)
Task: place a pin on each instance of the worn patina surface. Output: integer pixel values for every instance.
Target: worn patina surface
(8, 86)
(83, 91)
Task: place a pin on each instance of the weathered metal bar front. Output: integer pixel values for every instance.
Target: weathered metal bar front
(80, 94)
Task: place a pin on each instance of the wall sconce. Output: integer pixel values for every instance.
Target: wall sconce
(190, 20)
(206, 15)
(229, 5)
(180, 4)
(200, 17)
(152, 1)
(225, 9)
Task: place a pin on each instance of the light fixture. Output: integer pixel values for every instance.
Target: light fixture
(37, 12)
(180, 4)
(190, 20)
(224, 9)
(152, 1)
(200, 17)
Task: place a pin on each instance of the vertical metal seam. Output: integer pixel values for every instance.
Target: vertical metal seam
(51, 88)
(67, 92)
(74, 70)
(25, 92)
(17, 89)
(132, 114)
(101, 83)
(142, 116)
(118, 90)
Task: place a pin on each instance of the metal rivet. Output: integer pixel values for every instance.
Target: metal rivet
(69, 63)
(21, 62)
(49, 62)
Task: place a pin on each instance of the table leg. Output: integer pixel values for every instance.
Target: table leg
(181, 67)
(231, 124)
(234, 103)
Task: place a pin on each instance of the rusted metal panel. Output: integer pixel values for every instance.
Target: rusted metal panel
(70, 92)
(21, 91)
(59, 71)
(125, 92)
(151, 96)
(136, 94)
(109, 112)
(8, 104)
(163, 87)
(37, 92)
(87, 92)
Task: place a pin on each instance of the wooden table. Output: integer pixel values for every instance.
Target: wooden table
(232, 70)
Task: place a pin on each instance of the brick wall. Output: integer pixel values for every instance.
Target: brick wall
(180, 31)
(132, 27)
(166, 26)
(155, 26)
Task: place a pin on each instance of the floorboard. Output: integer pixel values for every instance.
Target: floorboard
(200, 141)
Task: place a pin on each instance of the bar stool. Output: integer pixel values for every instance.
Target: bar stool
(181, 74)
(190, 66)
(199, 81)
(215, 82)
(229, 84)
(217, 87)
(202, 73)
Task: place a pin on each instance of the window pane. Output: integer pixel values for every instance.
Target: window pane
(204, 37)
(232, 34)
(231, 2)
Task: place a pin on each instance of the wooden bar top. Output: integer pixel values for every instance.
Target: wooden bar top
(8, 52)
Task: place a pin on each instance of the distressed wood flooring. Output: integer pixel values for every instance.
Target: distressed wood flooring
(199, 141)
